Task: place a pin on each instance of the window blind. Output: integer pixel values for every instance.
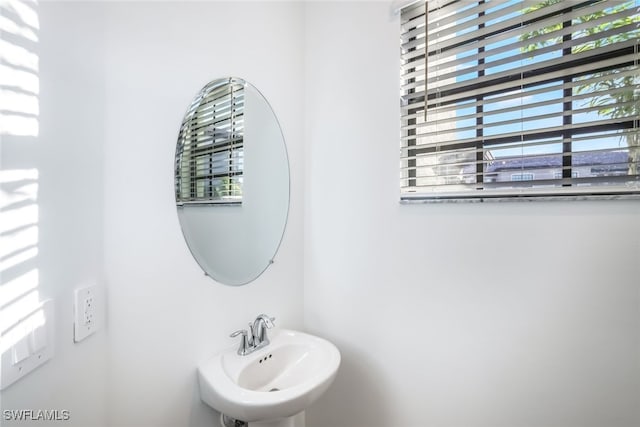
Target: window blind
(513, 98)
(210, 152)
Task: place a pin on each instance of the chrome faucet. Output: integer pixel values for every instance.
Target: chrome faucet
(259, 330)
(258, 335)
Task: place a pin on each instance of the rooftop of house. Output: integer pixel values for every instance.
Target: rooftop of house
(603, 161)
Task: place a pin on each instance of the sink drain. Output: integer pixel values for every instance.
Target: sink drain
(274, 389)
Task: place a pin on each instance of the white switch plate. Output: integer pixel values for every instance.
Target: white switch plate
(87, 302)
(29, 343)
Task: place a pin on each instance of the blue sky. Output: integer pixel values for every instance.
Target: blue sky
(521, 106)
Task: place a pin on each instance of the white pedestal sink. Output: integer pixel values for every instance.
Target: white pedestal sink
(273, 385)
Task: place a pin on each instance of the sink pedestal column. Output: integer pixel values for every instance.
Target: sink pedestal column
(294, 421)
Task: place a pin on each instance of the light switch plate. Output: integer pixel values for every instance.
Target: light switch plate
(28, 343)
(87, 301)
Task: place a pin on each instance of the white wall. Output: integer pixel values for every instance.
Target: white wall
(455, 314)
(165, 316)
(67, 154)
(430, 333)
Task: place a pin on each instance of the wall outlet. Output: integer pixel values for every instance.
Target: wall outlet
(87, 301)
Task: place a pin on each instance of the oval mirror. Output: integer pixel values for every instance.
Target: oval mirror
(231, 181)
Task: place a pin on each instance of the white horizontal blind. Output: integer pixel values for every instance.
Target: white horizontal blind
(210, 154)
(520, 98)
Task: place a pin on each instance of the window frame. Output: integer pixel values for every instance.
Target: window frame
(570, 180)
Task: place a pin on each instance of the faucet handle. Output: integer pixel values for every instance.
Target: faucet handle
(238, 332)
(268, 321)
(244, 341)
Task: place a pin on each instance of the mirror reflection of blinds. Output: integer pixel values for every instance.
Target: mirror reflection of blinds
(512, 98)
(210, 160)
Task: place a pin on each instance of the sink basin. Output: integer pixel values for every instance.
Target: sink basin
(276, 381)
